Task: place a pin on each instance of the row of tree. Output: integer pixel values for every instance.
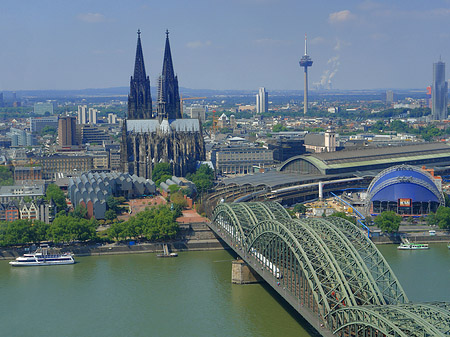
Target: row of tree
(65, 228)
(153, 224)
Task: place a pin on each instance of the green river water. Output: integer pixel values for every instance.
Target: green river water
(141, 295)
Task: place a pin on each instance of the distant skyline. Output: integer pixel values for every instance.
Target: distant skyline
(234, 44)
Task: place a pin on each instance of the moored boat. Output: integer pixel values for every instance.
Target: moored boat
(41, 257)
(406, 245)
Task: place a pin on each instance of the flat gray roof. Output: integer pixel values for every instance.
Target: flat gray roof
(277, 178)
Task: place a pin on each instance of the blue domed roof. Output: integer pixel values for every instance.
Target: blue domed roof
(404, 182)
(402, 171)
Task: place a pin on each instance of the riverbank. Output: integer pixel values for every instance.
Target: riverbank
(192, 237)
(396, 239)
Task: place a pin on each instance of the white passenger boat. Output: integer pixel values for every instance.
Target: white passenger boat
(406, 245)
(41, 257)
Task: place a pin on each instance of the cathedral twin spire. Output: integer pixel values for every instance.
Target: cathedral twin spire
(139, 99)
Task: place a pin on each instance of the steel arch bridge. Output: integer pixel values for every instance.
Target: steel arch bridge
(328, 270)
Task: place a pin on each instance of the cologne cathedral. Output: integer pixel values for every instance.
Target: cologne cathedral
(151, 136)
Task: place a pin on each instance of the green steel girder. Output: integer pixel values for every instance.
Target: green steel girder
(260, 211)
(436, 314)
(382, 273)
(357, 274)
(363, 317)
(411, 319)
(332, 278)
(340, 272)
(224, 211)
(276, 228)
(279, 212)
(325, 266)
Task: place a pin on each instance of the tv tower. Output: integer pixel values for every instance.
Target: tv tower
(306, 62)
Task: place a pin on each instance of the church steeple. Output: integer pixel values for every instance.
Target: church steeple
(139, 67)
(139, 99)
(168, 95)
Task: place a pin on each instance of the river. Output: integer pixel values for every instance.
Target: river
(141, 295)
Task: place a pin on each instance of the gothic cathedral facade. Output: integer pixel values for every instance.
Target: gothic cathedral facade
(151, 136)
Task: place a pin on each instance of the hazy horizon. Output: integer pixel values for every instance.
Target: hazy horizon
(233, 45)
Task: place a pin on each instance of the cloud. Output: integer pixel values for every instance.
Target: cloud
(198, 44)
(91, 17)
(342, 16)
(340, 44)
(316, 40)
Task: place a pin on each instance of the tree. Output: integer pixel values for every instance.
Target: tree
(154, 224)
(79, 212)
(161, 169)
(447, 200)
(113, 204)
(54, 193)
(441, 218)
(110, 215)
(202, 178)
(278, 128)
(388, 221)
(6, 176)
(178, 199)
(344, 216)
(300, 208)
(48, 130)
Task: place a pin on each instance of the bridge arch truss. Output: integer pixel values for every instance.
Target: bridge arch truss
(328, 265)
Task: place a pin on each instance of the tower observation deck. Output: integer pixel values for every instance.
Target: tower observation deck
(306, 62)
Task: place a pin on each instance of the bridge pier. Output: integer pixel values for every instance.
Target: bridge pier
(242, 273)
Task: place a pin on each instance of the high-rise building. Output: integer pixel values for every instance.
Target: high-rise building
(82, 114)
(20, 138)
(112, 118)
(67, 131)
(439, 92)
(196, 111)
(92, 116)
(38, 123)
(43, 108)
(389, 97)
(262, 101)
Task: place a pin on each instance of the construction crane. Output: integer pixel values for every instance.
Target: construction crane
(185, 99)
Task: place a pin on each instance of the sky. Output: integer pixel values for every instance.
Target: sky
(217, 44)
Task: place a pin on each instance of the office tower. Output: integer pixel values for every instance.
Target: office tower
(67, 131)
(262, 101)
(20, 137)
(82, 114)
(112, 118)
(305, 62)
(92, 116)
(196, 111)
(43, 108)
(38, 123)
(439, 92)
(389, 96)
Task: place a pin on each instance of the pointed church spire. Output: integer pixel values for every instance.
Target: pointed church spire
(139, 67)
(169, 97)
(168, 72)
(139, 99)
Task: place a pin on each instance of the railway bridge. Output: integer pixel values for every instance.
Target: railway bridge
(328, 271)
